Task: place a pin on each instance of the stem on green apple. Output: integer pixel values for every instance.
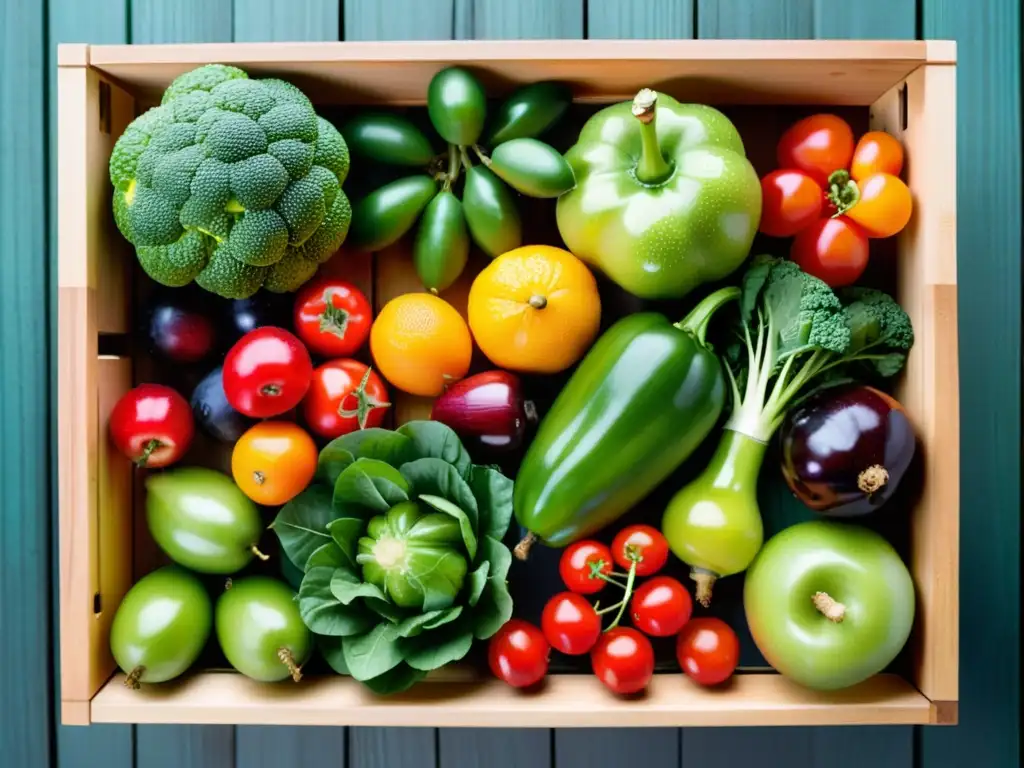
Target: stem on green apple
(705, 581)
(831, 609)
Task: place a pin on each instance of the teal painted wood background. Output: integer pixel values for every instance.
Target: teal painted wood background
(989, 172)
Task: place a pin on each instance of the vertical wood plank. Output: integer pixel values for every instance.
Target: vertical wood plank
(989, 236)
(262, 20)
(586, 747)
(399, 19)
(865, 19)
(392, 748)
(24, 456)
(880, 746)
(494, 747)
(525, 19)
(648, 20)
(776, 747)
(762, 19)
(273, 747)
(167, 21)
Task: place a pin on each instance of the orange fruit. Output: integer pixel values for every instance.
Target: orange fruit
(273, 462)
(534, 309)
(420, 344)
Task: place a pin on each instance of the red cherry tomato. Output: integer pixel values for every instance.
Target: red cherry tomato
(643, 541)
(152, 425)
(518, 653)
(570, 623)
(266, 373)
(792, 200)
(332, 317)
(833, 250)
(884, 206)
(708, 650)
(623, 660)
(816, 145)
(660, 606)
(876, 152)
(345, 395)
(574, 566)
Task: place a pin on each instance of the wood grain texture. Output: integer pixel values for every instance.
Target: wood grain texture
(755, 19)
(392, 748)
(273, 747)
(587, 747)
(24, 458)
(181, 746)
(399, 19)
(989, 276)
(865, 19)
(494, 747)
(522, 20)
(256, 20)
(648, 20)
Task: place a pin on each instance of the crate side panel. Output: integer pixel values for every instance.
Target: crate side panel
(989, 207)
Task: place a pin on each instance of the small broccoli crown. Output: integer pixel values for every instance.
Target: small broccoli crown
(218, 184)
(881, 331)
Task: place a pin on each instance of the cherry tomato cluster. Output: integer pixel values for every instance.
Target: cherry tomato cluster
(267, 375)
(622, 658)
(832, 195)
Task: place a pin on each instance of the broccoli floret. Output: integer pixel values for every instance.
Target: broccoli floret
(227, 179)
(796, 331)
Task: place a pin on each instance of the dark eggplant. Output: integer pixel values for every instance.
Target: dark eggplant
(845, 450)
(486, 410)
(212, 412)
(179, 329)
(262, 308)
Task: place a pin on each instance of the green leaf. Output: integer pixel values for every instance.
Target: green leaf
(290, 572)
(373, 443)
(327, 556)
(493, 610)
(301, 525)
(331, 648)
(433, 650)
(443, 505)
(323, 613)
(414, 625)
(434, 477)
(347, 586)
(346, 532)
(477, 582)
(373, 653)
(498, 555)
(385, 609)
(432, 439)
(371, 484)
(401, 678)
(493, 492)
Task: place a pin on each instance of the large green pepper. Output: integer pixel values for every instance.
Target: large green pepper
(644, 397)
(662, 205)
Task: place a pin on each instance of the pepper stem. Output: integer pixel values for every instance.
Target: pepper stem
(700, 316)
(522, 550)
(652, 167)
(830, 609)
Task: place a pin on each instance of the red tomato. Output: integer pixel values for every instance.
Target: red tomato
(266, 373)
(152, 425)
(332, 317)
(876, 152)
(708, 650)
(660, 606)
(623, 660)
(792, 200)
(345, 395)
(641, 541)
(816, 145)
(518, 653)
(570, 623)
(884, 206)
(574, 566)
(833, 250)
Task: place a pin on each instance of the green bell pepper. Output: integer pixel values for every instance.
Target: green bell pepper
(644, 397)
(665, 197)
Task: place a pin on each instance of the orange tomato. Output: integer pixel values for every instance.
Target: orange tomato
(273, 462)
(876, 152)
(534, 309)
(884, 206)
(420, 344)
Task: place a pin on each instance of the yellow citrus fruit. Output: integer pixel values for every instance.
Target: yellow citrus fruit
(420, 343)
(534, 309)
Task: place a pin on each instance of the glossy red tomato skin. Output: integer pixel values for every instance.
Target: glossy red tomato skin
(267, 372)
(518, 654)
(834, 250)
(623, 660)
(570, 623)
(333, 389)
(575, 570)
(337, 332)
(645, 540)
(707, 650)
(660, 606)
(817, 145)
(792, 200)
(152, 412)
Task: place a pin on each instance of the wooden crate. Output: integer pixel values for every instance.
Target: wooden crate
(904, 87)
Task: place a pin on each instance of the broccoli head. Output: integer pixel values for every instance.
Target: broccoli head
(232, 182)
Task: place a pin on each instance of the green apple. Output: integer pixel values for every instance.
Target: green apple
(829, 604)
